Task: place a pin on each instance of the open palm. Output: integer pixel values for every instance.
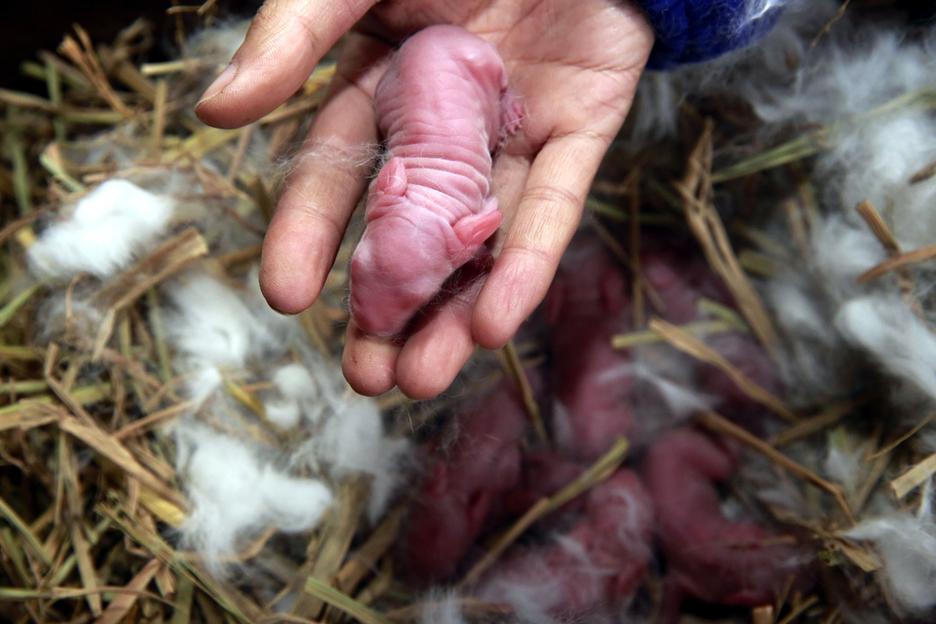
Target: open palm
(574, 63)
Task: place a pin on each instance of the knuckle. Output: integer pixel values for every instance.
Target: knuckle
(266, 21)
(529, 260)
(279, 19)
(551, 197)
(307, 26)
(548, 216)
(310, 211)
(314, 212)
(549, 210)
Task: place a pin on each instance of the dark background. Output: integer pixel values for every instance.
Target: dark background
(27, 26)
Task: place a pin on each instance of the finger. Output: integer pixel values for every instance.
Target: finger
(433, 356)
(369, 362)
(508, 178)
(304, 234)
(285, 41)
(547, 215)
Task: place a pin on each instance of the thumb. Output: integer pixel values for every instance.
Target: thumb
(285, 41)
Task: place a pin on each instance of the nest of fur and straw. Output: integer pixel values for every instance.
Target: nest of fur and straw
(89, 497)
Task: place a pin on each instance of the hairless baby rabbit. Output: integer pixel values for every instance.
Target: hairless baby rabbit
(443, 107)
(710, 557)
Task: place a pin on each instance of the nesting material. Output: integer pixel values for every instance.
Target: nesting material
(897, 338)
(211, 324)
(234, 493)
(296, 397)
(908, 547)
(159, 357)
(109, 228)
(443, 611)
(220, 334)
(175, 451)
(680, 401)
(353, 441)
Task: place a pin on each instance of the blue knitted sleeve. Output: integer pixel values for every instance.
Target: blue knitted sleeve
(688, 31)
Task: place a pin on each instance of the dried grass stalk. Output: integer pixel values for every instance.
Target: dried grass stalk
(696, 191)
(914, 477)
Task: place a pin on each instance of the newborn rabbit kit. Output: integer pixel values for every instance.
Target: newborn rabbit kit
(443, 107)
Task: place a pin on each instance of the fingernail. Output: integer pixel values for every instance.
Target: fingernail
(223, 80)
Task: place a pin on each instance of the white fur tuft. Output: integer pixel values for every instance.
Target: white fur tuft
(889, 331)
(109, 228)
(354, 442)
(907, 546)
(442, 609)
(223, 333)
(235, 494)
(213, 324)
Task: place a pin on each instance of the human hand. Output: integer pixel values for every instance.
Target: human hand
(574, 63)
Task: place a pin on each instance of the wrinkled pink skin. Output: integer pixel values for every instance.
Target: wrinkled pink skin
(709, 557)
(443, 107)
(457, 495)
(597, 563)
(585, 307)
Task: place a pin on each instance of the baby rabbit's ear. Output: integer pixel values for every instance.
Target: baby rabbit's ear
(392, 178)
(472, 230)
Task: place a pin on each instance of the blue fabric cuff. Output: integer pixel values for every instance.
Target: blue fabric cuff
(688, 31)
